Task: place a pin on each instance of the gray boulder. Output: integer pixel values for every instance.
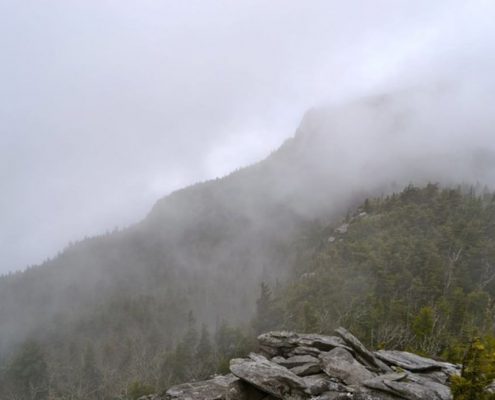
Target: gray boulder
(339, 363)
(284, 343)
(316, 384)
(442, 391)
(362, 353)
(277, 343)
(278, 339)
(321, 342)
(307, 369)
(294, 372)
(269, 377)
(379, 382)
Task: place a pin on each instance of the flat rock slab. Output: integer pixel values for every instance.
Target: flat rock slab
(442, 391)
(339, 363)
(409, 361)
(412, 391)
(296, 361)
(321, 342)
(303, 351)
(435, 376)
(317, 384)
(378, 382)
(269, 377)
(307, 369)
(278, 339)
(283, 343)
(213, 389)
(409, 386)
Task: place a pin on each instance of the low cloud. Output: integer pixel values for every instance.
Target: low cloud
(107, 106)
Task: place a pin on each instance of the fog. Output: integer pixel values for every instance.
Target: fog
(107, 106)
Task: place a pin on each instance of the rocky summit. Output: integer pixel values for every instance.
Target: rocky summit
(296, 366)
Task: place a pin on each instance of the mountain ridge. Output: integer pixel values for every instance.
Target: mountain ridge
(202, 252)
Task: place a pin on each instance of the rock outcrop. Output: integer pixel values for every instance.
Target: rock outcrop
(296, 366)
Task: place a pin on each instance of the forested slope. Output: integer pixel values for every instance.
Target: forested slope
(414, 270)
(130, 305)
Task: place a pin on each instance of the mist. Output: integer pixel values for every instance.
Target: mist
(107, 107)
(178, 178)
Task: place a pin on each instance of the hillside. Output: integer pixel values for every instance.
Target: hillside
(126, 306)
(414, 270)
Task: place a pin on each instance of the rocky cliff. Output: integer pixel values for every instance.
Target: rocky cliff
(312, 366)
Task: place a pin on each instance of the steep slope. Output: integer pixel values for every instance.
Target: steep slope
(415, 270)
(206, 248)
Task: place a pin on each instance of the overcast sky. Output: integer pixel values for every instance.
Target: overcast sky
(106, 106)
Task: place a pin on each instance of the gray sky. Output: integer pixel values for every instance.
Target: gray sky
(106, 106)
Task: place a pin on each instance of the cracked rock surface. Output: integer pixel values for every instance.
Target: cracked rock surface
(296, 366)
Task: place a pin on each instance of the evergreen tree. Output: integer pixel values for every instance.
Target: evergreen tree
(204, 348)
(423, 327)
(478, 371)
(91, 376)
(265, 315)
(230, 343)
(183, 364)
(310, 318)
(26, 375)
(191, 336)
(204, 353)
